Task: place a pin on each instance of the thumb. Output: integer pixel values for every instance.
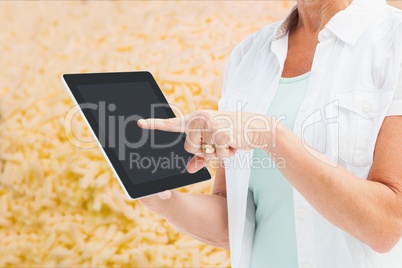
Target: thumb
(196, 163)
(165, 195)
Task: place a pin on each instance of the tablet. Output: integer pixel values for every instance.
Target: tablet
(145, 162)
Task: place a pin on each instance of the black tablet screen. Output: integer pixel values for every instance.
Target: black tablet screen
(113, 110)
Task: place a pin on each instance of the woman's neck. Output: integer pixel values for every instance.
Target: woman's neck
(315, 14)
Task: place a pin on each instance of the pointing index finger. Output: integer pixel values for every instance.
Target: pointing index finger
(175, 124)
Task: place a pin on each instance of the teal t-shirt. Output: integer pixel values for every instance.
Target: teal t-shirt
(275, 235)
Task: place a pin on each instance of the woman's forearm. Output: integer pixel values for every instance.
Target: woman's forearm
(368, 210)
(203, 217)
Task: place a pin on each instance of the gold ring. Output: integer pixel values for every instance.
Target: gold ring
(208, 148)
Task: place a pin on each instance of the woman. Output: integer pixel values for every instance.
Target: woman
(319, 95)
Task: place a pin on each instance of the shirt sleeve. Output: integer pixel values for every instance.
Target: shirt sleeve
(396, 104)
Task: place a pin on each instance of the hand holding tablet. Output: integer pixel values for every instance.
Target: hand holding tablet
(144, 161)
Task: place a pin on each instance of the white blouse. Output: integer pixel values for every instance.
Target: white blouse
(355, 81)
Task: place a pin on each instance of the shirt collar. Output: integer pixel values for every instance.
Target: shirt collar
(348, 24)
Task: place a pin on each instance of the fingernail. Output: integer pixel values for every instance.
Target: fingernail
(141, 122)
(165, 195)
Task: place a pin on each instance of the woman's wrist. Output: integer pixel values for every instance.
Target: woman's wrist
(266, 133)
(276, 138)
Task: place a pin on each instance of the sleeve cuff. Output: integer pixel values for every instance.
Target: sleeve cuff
(395, 109)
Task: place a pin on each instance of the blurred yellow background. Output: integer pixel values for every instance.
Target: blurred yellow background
(60, 205)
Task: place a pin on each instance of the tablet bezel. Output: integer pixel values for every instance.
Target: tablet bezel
(133, 191)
